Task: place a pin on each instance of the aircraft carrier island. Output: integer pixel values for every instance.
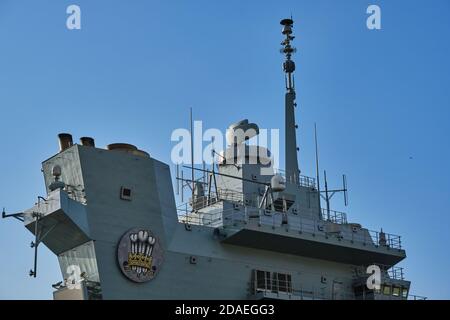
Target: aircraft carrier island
(247, 231)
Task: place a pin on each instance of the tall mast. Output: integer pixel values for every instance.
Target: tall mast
(292, 170)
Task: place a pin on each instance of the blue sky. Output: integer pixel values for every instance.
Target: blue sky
(381, 101)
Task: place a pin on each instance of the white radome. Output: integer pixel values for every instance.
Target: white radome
(278, 183)
(56, 171)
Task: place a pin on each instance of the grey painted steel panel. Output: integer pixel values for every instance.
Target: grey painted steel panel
(309, 246)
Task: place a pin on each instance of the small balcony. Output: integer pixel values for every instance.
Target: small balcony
(294, 234)
(55, 218)
(393, 285)
(329, 238)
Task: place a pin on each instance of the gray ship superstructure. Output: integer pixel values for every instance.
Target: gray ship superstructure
(248, 231)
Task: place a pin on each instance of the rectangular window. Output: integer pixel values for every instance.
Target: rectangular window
(282, 282)
(262, 280)
(275, 282)
(396, 291)
(289, 283)
(387, 290)
(405, 293)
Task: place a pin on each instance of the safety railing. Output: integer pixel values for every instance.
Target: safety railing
(334, 216)
(393, 272)
(396, 273)
(224, 194)
(297, 223)
(242, 214)
(377, 238)
(386, 239)
(414, 297)
(300, 180)
(200, 220)
(312, 294)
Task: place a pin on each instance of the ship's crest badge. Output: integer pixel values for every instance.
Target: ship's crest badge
(140, 255)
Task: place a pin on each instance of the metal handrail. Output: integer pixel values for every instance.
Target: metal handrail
(297, 223)
(396, 273)
(274, 219)
(223, 194)
(335, 216)
(303, 181)
(414, 297)
(194, 219)
(393, 272)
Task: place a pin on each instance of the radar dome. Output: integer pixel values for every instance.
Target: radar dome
(56, 171)
(241, 131)
(278, 183)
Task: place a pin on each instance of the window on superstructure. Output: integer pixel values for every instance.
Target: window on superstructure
(405, 293)
(282, 282)
(273, 281)
(396, 291)
(125, 193)
(263, 280)
(387, 290)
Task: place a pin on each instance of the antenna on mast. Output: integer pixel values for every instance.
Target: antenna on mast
(288, 50)
(330, 193)
(192, 158)
(344, 186)
(327, 194)
(317, 164)
(291, 167)
(195, 184)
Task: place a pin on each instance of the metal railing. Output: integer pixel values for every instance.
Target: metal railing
(396, 273)
(379, 239)
(334, 216)
(414, 297)
(297, 223)
(313, 294)
(393, 272)
(386, 239)
(193, 218)
(225, 194)
(302, 181)
(242, 214)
